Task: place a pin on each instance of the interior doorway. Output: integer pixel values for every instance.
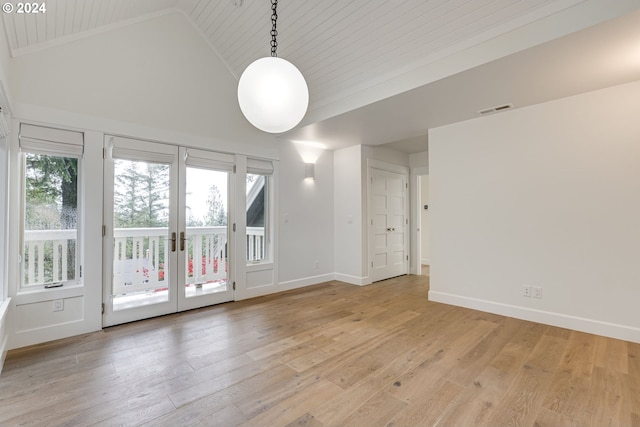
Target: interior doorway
(424, 227)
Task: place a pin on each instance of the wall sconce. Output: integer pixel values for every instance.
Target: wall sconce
(309, 171)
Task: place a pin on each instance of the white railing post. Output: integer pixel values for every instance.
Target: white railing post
(255, 244)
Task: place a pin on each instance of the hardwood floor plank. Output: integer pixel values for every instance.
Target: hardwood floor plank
(255, 403)
(612, 354)
(326, 355)
(206, 407)
(466, 368)
(307, 420)
(524, 396)
(478, 401)
(377, 411)
(410, 384)
(548, 418)
(427, 409)
(296, 406)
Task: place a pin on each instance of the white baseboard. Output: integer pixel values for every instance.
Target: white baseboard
(285, 286)
(353, 280)
(597, 327)
(306, 281)
(425, 261)
(55, 332)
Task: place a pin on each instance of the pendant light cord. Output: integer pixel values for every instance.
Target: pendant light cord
(274, 32)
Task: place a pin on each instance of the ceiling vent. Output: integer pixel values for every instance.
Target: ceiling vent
(495, 109)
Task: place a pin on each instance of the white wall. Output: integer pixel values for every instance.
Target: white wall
(5, 59)
(348, 215)
(424, 220)
(544, 196)
(420, 161)
(385, 154)
(305, 219)
(159, 73)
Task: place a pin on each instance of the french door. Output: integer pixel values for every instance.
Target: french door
(166, 237)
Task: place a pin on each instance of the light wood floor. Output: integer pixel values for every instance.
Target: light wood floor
(327, 355)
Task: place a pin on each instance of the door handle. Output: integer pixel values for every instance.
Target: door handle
(391, 229)
(173, 241)
(182, 239)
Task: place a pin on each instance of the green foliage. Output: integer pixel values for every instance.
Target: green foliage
(51, 200)
(216, 214)
(141, 195)
(51, 192)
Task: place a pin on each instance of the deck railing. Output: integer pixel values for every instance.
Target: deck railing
(46, 255)
(140, 255)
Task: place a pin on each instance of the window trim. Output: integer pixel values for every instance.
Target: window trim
(268, 247)
(52, 142)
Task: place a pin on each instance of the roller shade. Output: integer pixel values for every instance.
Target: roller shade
(259, 167)
(209, 160)
(46, 140)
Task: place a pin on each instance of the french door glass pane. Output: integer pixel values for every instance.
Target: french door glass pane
(141, 232)
(206, 237)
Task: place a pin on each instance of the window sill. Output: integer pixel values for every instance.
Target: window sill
(30, 296)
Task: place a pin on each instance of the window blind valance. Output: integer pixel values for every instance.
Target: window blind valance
(46, 140)
(209, 160)
(121, 148)
(259, 167)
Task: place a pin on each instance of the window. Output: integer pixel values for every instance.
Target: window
(50, 238)
(258, 233)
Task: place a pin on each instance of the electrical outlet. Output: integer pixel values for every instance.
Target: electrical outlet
(526, 291)
(58, 305)
(537, 291)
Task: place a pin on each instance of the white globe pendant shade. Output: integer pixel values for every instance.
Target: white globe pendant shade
(273, 95)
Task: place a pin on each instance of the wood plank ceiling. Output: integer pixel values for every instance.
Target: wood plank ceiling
(341, 47)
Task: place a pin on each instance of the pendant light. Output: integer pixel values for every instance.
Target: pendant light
(272, 92)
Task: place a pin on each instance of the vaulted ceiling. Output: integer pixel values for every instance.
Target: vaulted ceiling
(351, 52)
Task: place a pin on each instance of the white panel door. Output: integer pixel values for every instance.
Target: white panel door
(389, 224)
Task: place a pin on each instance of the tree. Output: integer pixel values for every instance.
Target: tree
(141, 195)
(216, 212)
(51, 182)
(126, 196)
(51, 200)
(155, 188)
